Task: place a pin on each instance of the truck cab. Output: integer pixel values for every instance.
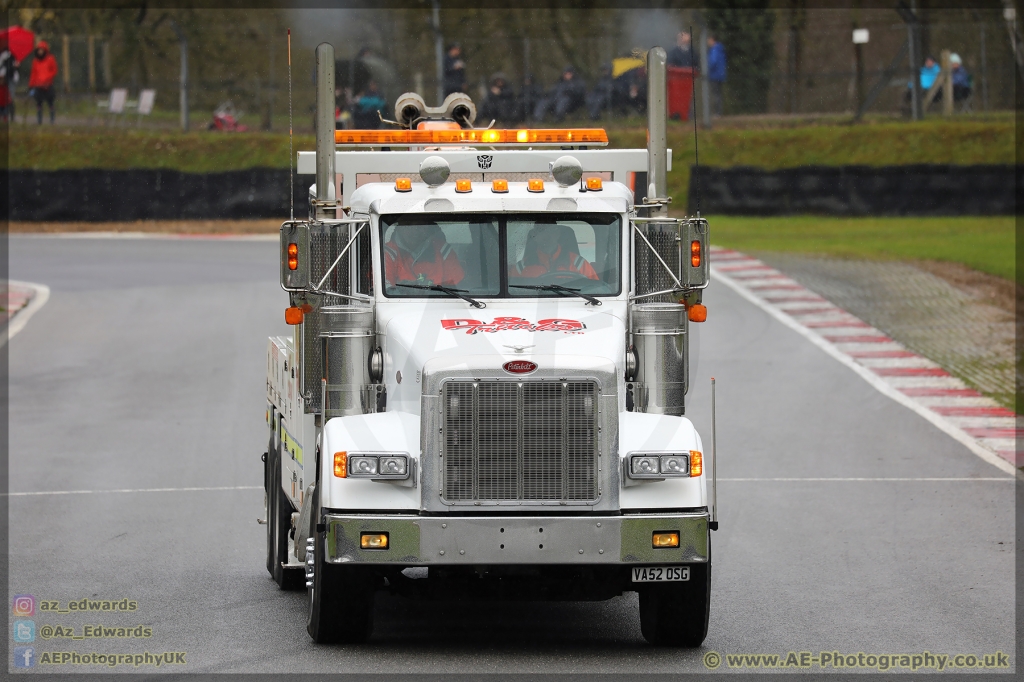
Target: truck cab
(484, 394)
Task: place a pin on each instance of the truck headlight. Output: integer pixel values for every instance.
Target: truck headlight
(394, 465)
(378, 467)
(675, 465)
(362, 466)
(659, 466)
(644, 465)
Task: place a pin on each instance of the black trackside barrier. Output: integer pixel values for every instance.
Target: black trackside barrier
(914, 190)
(93, 195)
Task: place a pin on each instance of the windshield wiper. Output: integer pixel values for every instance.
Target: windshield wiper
(447, 290)
(559, 288)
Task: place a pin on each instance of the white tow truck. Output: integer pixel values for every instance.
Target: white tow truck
(485, 389)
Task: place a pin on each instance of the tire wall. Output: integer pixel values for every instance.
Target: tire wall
(91, 195)
(916, 190)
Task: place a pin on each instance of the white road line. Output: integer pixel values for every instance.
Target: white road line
(20, 319)
(181, 236)
(869, 480)
(134, 490)
(876, 382)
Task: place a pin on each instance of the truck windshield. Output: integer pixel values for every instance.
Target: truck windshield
(501, 255)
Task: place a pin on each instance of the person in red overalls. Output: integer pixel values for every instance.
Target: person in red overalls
(420, 254)
(544, 254)
(40, 82)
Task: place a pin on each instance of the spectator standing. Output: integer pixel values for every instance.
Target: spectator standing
(40, 82)
(367, 107)
(564, 98)
(716, 73)
(961, 79)
(454, 70)
(683, 54)
(8, 79)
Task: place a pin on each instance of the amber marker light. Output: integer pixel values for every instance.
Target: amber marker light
(373, 540)
(463, 186)
(341, 464)
(293, 256)
(594, 184)
(403, 184)
(535, 185)
(499, 186)
(665, 539)
(695, 253)
(697, 312)
(293, 315)
(696, 463)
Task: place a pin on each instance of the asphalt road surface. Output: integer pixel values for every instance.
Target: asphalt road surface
(144, 375)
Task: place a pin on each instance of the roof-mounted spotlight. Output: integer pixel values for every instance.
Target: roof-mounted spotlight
(567, 171)
(435, 171)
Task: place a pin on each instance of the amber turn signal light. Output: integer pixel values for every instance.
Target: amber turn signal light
(341, 464)
(463, 186)
(293, 256)
(535, 185)
(499, 186)
(695, 253)
(697, 312)
(293, 315)
(594, 184)
(696, 463)
(373, 540)
(665, 539)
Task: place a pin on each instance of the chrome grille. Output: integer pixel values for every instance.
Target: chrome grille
(529, 441)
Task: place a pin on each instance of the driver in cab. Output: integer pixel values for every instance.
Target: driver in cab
(421, 254)
(548, 249)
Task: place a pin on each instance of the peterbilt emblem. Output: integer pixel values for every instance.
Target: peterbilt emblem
(484, 161)
(519, 367)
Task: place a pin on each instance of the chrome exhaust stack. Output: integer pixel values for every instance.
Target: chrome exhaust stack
(657, 362)
(326, 195)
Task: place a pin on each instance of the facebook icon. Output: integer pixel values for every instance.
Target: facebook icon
(24, 657)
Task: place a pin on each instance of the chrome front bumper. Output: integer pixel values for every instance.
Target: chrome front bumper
(497, 540)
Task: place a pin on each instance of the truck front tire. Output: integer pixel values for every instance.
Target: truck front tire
(340, 601)
(676, 613)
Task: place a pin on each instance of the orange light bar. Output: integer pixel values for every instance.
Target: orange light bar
(696, 463)
(534, 136)
(403, 184)
(463, 186)
(499, 186)
(535, 185)
(665, 539)
(341, 464)
(695, 253)
(594, 184)
(293, 315)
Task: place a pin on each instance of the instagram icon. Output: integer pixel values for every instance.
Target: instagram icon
(23, 605)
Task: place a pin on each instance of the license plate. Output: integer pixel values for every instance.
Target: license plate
(660, 574)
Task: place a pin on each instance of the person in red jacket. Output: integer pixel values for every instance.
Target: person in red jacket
(40, 82)
(420, 254)
(545, 254)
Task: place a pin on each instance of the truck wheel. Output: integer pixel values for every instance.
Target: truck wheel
(676, 614)
(340, 600)
(279, 521)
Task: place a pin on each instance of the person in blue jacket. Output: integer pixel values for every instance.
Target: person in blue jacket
(716, 73)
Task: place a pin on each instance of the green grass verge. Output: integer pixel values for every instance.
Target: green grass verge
(982, 243)
(962, 141)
